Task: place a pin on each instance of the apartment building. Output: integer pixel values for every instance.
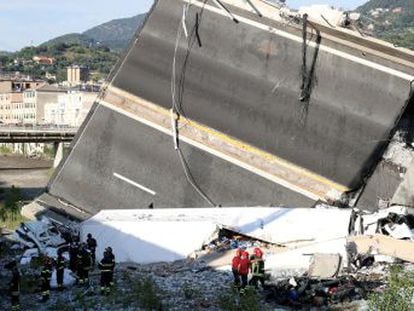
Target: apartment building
(5, 107)
(71, 108)
(77, 75)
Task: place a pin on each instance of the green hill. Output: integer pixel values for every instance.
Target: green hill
(391, 20)
(72, 38)
(97, 48)
(99, 59)
(116, 34)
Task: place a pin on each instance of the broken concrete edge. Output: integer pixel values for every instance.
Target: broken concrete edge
(384, 245)
(235, 232)
(54, 208)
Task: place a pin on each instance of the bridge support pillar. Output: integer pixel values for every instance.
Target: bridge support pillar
(58, 154)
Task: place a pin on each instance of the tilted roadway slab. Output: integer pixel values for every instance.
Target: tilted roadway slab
(122, 163)
(237, 87)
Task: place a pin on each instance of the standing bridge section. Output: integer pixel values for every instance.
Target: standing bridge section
(36, 134)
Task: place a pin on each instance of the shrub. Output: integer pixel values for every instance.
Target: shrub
(190, 292)
(398, 296)
(232, 301)
(146, 292)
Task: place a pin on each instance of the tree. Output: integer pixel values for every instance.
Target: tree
(12, 201)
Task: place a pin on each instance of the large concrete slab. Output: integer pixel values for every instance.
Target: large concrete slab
(246, 81)
(113, 146)
(404, 194)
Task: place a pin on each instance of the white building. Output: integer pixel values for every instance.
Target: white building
(71, 108)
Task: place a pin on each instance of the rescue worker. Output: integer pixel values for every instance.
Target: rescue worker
(234, 267)
(73, 255)
(84, 264)
(45, 275)
(243, 270)
(91, 243)
(112, 258)
(14, 285)
(106, 266)
(257, 268)
(60, 270)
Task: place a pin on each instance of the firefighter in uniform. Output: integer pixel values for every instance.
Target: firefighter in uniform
(60, 270)
(91, 242)
(235, 266)
(14, 285)
(111, 256)
(106, 266)
(84, 264)
(257, 268)
(45, 275)
(243, 270)
(73, 255)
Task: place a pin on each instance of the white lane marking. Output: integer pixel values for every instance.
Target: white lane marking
(219, 154)
(131, 182)
(325, 48)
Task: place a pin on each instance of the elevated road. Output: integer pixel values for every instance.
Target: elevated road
(36, 134)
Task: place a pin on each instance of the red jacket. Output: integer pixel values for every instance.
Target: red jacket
(235, 262)
(244, 266)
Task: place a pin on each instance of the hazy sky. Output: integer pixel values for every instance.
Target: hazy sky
(31, 22)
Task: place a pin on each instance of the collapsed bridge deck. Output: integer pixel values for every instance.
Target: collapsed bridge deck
(265, 112)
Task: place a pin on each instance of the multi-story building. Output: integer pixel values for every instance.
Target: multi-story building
(44, 60)
(5, 107)
(71, 108)
(18, 100)
(77, 75)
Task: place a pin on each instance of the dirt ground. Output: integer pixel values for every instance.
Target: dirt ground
(30, 175)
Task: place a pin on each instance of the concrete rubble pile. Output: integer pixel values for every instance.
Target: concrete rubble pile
(328, 261)
(34, 239)
(320, 264)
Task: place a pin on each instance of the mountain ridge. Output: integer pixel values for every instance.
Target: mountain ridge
(114, 34)
(390, 20)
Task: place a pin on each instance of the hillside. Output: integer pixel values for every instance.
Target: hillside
(98, 48)
(72, 38)
(391, 20)
(98, 58)
(115, 34)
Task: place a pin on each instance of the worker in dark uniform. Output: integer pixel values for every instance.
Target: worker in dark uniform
(46, 275)
(106, 266)
(14, 285)
(73, 255)
(257, 268)
(60, 270)
(91, 242)
(112, 258)
(84, 264)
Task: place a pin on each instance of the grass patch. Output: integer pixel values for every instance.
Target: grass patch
(190, 292)
(30, 284)
(10, 209)
(399, 294)
(11, 221)
(144, 292)
(5, 150)
(233, 301)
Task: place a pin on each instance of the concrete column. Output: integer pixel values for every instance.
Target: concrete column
(58, 154)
